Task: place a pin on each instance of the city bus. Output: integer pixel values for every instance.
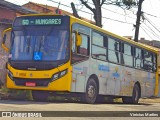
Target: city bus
(61, 53)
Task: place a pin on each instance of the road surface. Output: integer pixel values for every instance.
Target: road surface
(101, 109)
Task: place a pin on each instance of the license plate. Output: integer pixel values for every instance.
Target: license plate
(30, 84)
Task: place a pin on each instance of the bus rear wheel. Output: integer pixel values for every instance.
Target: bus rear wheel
(91, 91)
(40, 95)
(135, 96)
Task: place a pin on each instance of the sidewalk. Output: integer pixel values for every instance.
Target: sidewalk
(150, 100)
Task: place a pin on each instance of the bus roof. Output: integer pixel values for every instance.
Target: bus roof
(150, 48)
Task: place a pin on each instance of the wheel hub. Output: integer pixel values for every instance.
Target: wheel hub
(91, 91)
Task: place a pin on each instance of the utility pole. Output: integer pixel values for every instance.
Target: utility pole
(139, 13)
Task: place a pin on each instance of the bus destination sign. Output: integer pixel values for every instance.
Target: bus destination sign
(44, 21)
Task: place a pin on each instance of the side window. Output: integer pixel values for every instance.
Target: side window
(127, 56)
(80, 53)
(84, 48)
(138, 53)
(113, 50)
(138, 61)
(147, 56)
(99, 40)
(154, 63)
(148, 64)
(99, 52)
(150, 61)
(99, 45)
(127, 49)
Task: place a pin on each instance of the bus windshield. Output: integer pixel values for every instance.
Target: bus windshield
(42, 43)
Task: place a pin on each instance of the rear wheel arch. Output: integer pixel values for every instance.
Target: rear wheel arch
(136, 94)
(137, 83)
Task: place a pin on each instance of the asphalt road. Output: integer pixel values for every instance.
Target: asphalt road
(99, 111)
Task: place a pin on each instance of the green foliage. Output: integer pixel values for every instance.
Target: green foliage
(117, 100)
(129, 3)
(15, 94)
(20, 94)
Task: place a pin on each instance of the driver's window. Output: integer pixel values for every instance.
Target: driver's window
(84, 48)
(80, 53)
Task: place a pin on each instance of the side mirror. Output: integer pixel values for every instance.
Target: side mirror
(4, 39)
(79, 39)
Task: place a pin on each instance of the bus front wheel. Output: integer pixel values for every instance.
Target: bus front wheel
(135, 96)
(40, 95)
(91, 91)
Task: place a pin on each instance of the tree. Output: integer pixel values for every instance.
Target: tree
(125, 4)
(97, 9)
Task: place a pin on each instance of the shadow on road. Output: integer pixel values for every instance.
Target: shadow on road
(25, 102)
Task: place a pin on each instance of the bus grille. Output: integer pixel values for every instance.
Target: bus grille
(38, 82)
(37, 66)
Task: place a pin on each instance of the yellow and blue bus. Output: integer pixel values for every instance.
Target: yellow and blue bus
(60, 53)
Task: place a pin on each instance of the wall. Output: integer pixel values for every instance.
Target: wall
(3, 54)
(6, 18)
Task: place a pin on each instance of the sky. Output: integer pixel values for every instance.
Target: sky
(116, 19)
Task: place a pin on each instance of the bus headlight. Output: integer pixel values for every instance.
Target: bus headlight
(59, 74)
(63, 73)
(55, 76)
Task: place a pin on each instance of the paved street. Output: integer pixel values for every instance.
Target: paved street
(10, 105)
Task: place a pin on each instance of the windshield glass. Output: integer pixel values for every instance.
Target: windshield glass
(40, 43)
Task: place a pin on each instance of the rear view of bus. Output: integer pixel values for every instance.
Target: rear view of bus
(39, 54)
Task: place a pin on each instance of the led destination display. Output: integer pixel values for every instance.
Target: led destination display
(41, 21)
(55, 21)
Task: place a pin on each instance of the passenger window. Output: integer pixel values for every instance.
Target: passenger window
(148, 61)
(154, 63)
(97, 39)
(138, 53)
(127, 56)
(138, 61)
(99, 45)
(147, 56)
(99, 52)
(154, 58)
(113, 44)
(113, 50)
(127, 49)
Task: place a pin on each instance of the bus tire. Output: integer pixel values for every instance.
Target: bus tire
(135, 96)
(91, 91)
(40, 95)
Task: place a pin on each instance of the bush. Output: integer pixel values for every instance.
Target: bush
(6, 93)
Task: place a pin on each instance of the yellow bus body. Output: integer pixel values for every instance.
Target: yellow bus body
(61, 84)
(65, 83)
